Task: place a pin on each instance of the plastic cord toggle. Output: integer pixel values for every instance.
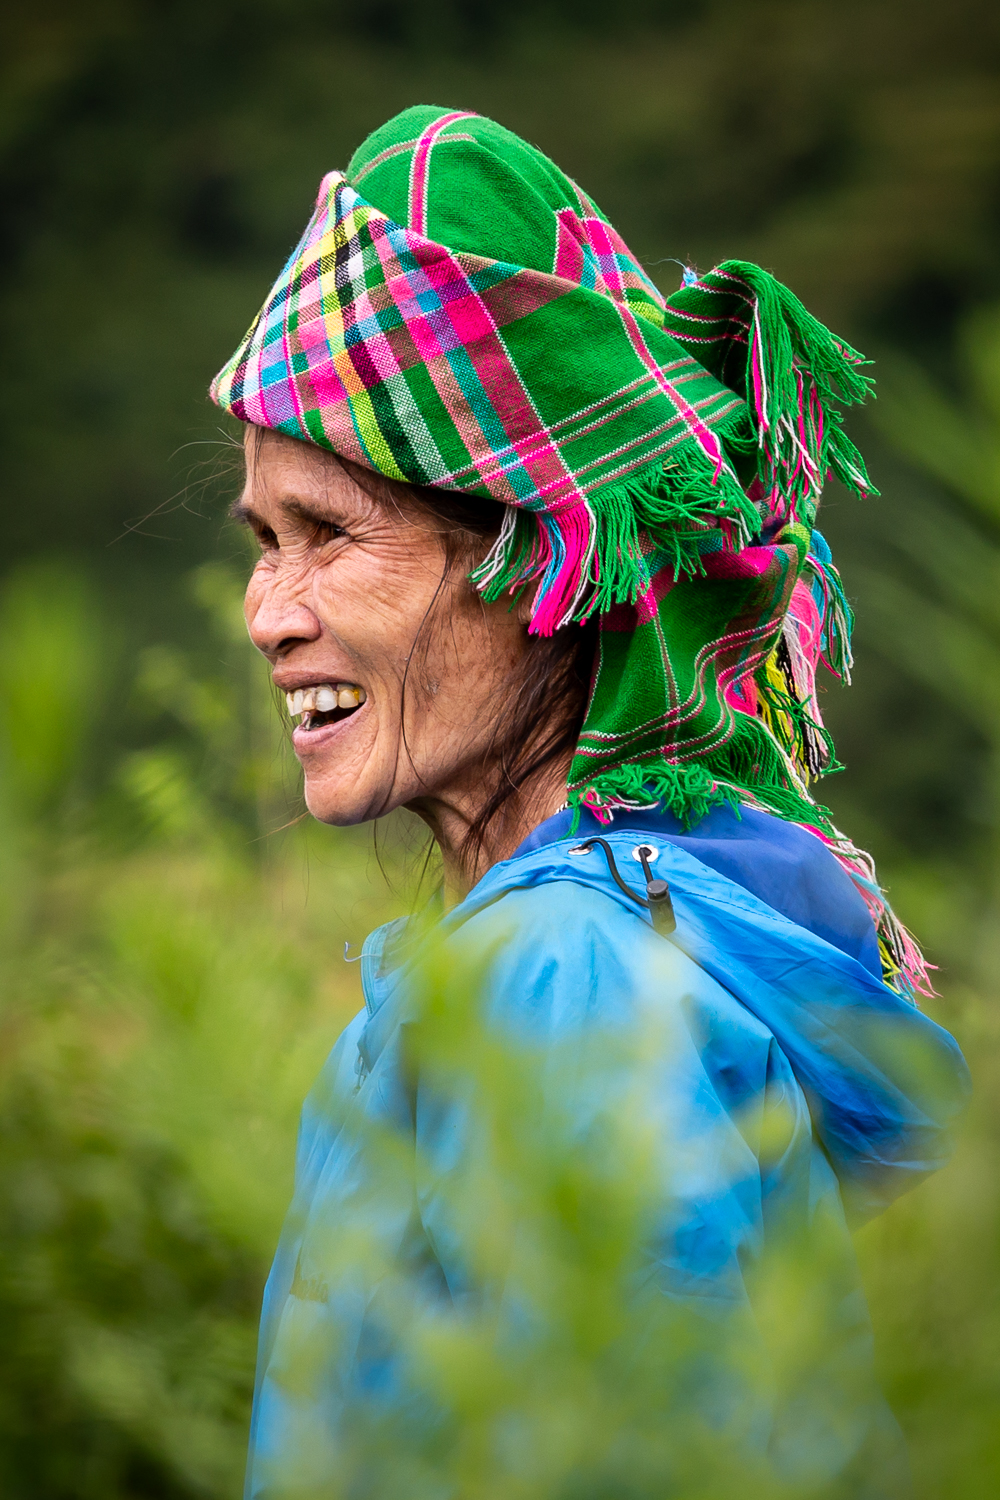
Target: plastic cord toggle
(657, 902)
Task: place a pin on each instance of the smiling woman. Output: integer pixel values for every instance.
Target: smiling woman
(539, 562)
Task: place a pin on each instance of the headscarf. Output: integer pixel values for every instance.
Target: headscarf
(458, 313)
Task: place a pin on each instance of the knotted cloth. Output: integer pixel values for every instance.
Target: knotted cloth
(459, 313)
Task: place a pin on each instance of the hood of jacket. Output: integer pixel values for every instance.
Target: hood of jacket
(885, 1084)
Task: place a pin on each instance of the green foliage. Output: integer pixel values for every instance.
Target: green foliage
(50, 681)
(931, 602)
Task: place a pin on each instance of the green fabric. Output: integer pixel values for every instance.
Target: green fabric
(458, 313)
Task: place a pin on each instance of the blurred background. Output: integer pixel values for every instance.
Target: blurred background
(172, 933)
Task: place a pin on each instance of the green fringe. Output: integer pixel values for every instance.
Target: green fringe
(795, 741)
(790, 335)
(677, 501)
(843, 459)
(789, 329)
(753, 760)
(792, 342)
(675, 504)
(518, 567)
(688, 791)
(750, 763)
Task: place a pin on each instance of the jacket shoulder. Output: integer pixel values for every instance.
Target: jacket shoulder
(569, 953)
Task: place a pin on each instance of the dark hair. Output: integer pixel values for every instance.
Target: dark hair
(550, 693)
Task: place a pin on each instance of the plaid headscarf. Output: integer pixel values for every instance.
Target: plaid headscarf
(459, 313)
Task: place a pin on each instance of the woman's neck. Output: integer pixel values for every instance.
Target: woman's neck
(452, 819)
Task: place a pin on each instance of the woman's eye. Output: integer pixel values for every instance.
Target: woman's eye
(326, 531)
(317, 534)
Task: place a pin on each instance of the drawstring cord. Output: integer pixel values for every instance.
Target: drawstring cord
(657, 901)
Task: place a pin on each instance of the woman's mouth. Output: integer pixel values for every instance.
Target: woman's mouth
(324, 703)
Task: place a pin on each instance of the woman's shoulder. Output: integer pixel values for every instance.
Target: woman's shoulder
(554, 937)
(557, 923)
(885, 1083)
(785, 866)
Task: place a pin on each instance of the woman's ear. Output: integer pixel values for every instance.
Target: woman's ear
(522, 607)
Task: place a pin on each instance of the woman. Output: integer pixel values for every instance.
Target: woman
(538, 562)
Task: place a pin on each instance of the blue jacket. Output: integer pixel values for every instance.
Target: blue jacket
(772, 989)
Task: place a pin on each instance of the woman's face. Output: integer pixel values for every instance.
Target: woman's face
(348, 598)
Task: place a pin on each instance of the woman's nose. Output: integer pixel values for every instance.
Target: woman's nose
(276, 620)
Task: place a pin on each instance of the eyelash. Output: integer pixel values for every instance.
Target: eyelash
(323, 531)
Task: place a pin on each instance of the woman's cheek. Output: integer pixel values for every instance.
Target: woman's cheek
(254, 592)
(373, 626)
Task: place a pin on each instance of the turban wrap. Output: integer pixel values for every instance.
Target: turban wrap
(458, 313)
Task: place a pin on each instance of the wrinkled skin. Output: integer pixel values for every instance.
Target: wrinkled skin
(347, 590)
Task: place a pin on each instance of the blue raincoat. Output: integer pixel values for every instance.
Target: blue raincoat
(774, 990)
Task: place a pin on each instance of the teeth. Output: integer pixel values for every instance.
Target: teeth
(324, 698)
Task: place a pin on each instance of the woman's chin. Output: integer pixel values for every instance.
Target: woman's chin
(337, 768)
(339, 801)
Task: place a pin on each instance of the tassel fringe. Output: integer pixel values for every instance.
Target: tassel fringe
(786, 712)
(688, 791)
(903, 965)
(595, 555)
(836, 614)
(797, 374)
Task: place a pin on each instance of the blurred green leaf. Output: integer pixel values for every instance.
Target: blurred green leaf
(52, 678)
(958, 443)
